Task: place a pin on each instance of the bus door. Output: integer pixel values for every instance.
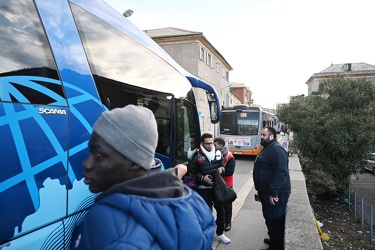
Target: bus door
(34, 121)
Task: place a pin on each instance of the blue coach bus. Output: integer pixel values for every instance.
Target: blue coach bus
(62, 63)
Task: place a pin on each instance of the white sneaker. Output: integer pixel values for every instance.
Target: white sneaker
(223, 238)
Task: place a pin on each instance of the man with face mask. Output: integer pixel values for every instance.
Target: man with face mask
(229, 166)
(206, 161)
(272, 181)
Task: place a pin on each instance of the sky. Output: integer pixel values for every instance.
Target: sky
(273, 46)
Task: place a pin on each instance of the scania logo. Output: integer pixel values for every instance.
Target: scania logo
(47, 111)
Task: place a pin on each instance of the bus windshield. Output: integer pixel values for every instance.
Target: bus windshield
(239, 123)
(240, 127)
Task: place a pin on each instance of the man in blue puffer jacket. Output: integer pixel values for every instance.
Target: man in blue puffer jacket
(135, 210)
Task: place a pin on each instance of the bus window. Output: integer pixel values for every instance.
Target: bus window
(125, 72)
(161, 105)
(115, 56)
(26, 52)
(249, 124)
(268, 120)
(228, 124)
(121, 94)
(186, 128)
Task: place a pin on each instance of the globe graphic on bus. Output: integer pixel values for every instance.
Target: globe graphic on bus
(44, 136)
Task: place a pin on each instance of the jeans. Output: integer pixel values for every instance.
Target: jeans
(274, 216)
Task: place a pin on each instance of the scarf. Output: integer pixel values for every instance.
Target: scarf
(210, 155)
(224, 150)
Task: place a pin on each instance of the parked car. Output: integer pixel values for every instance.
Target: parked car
(370, 166)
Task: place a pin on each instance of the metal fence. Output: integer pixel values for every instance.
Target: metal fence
(363, 211)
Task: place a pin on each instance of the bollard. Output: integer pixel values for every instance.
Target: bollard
(355, 205)
(349, 197)
(362, 213)
(371, 224)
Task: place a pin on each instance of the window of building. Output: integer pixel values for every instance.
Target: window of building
(208, 60)
(347, 66)
(202, 54)
(225, 74)
(202, 123)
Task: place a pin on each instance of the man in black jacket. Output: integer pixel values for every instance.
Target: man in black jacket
(206, 161)
(272, 181)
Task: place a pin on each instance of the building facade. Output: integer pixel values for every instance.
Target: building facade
(348, 70)
(240, 94)
(199, 57)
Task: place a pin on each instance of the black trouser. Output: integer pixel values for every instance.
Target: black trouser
(207, 194)
(274, 216)
(228, 213)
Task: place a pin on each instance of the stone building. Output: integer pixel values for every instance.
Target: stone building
(240, 94)
(349, 70)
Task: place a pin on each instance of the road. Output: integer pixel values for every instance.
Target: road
(243, 171)
(364, 186)
(243, 180)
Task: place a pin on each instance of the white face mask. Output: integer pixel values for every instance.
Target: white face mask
(218, 155)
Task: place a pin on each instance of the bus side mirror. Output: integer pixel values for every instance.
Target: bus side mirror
(213, 105)
(214, 112)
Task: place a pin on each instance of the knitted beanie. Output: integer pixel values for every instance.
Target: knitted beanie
(132, 131)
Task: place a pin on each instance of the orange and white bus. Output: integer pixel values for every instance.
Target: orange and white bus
(241, 126)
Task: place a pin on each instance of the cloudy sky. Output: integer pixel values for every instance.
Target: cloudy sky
(273, 46)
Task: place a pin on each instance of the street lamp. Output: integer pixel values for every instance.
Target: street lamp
(228, 86)
(128, 13)
(226, 98)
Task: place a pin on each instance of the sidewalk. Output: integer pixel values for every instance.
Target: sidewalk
(248, 227)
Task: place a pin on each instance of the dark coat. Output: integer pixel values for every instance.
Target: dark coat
(200, 166)
(271, 173)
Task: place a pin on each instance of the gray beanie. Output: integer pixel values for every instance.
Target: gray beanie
(132, 131)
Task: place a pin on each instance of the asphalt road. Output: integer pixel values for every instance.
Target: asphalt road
(243, 171)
